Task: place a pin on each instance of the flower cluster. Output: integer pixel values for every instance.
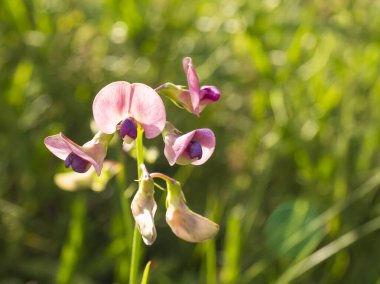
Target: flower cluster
(127, 109)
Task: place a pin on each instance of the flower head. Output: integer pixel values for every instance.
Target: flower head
(144, 208)
(185, 223)
(79, 158)
(121, 105)
(195, 147)
(195, 98)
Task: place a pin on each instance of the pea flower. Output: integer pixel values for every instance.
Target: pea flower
(185, 223)
(195, 147)
(72, 181)
(194, 99)
(80, 158)
(144, 208)
(121, 106)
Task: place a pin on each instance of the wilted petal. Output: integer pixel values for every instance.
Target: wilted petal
(193, 82)
(144, 208)
(185, 223)
(189, 225)
(111, 105)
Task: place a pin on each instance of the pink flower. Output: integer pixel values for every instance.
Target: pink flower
(79, 158)
(195, 147)
(199, 96)
(194, 99)
(185, 223)
(121, 106)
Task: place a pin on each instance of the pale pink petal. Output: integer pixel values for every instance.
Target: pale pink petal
(189, 225)
(61, 146)
(181, 143)
(111, 105)
(193, 82)
(148, 109)
(168, 150)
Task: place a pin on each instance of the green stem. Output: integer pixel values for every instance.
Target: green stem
(126, 226)
(136, 243)
(162, 176)
(71, 250)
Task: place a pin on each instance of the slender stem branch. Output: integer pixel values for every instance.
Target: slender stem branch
(162, 176)
(136, 243)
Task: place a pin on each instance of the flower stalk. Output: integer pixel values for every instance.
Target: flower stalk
(136, 243)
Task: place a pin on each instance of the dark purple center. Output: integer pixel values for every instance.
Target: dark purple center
(77, 163)
(128, 127)
(194, 150)
(211, 93)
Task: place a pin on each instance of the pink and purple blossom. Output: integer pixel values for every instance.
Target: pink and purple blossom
(79, 158)
(195, 147)
(121, 106)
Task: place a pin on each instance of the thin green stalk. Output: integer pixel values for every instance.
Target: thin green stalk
(136, 243)
(329, 250)
(127, 225)
(71, 250)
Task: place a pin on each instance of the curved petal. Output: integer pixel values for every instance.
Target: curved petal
(181, 143)
(61, 146)
(111, 105)
(175, 146)
(169, 153)
(193, 82)
(148, 109)
(189, 225)
(143, 209)
(206, 137)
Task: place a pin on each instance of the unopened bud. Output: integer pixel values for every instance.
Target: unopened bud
(144, 208)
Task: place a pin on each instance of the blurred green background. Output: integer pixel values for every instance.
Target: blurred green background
(293, 181)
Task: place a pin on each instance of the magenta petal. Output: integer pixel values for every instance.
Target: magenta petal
(111, 105)
(61, 146)
(193, 82)
(148, 109)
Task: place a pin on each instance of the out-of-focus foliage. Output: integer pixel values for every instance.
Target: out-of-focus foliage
(298, 122)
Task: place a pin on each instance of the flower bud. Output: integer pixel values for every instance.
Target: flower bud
(144, 208)
(185, 223)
